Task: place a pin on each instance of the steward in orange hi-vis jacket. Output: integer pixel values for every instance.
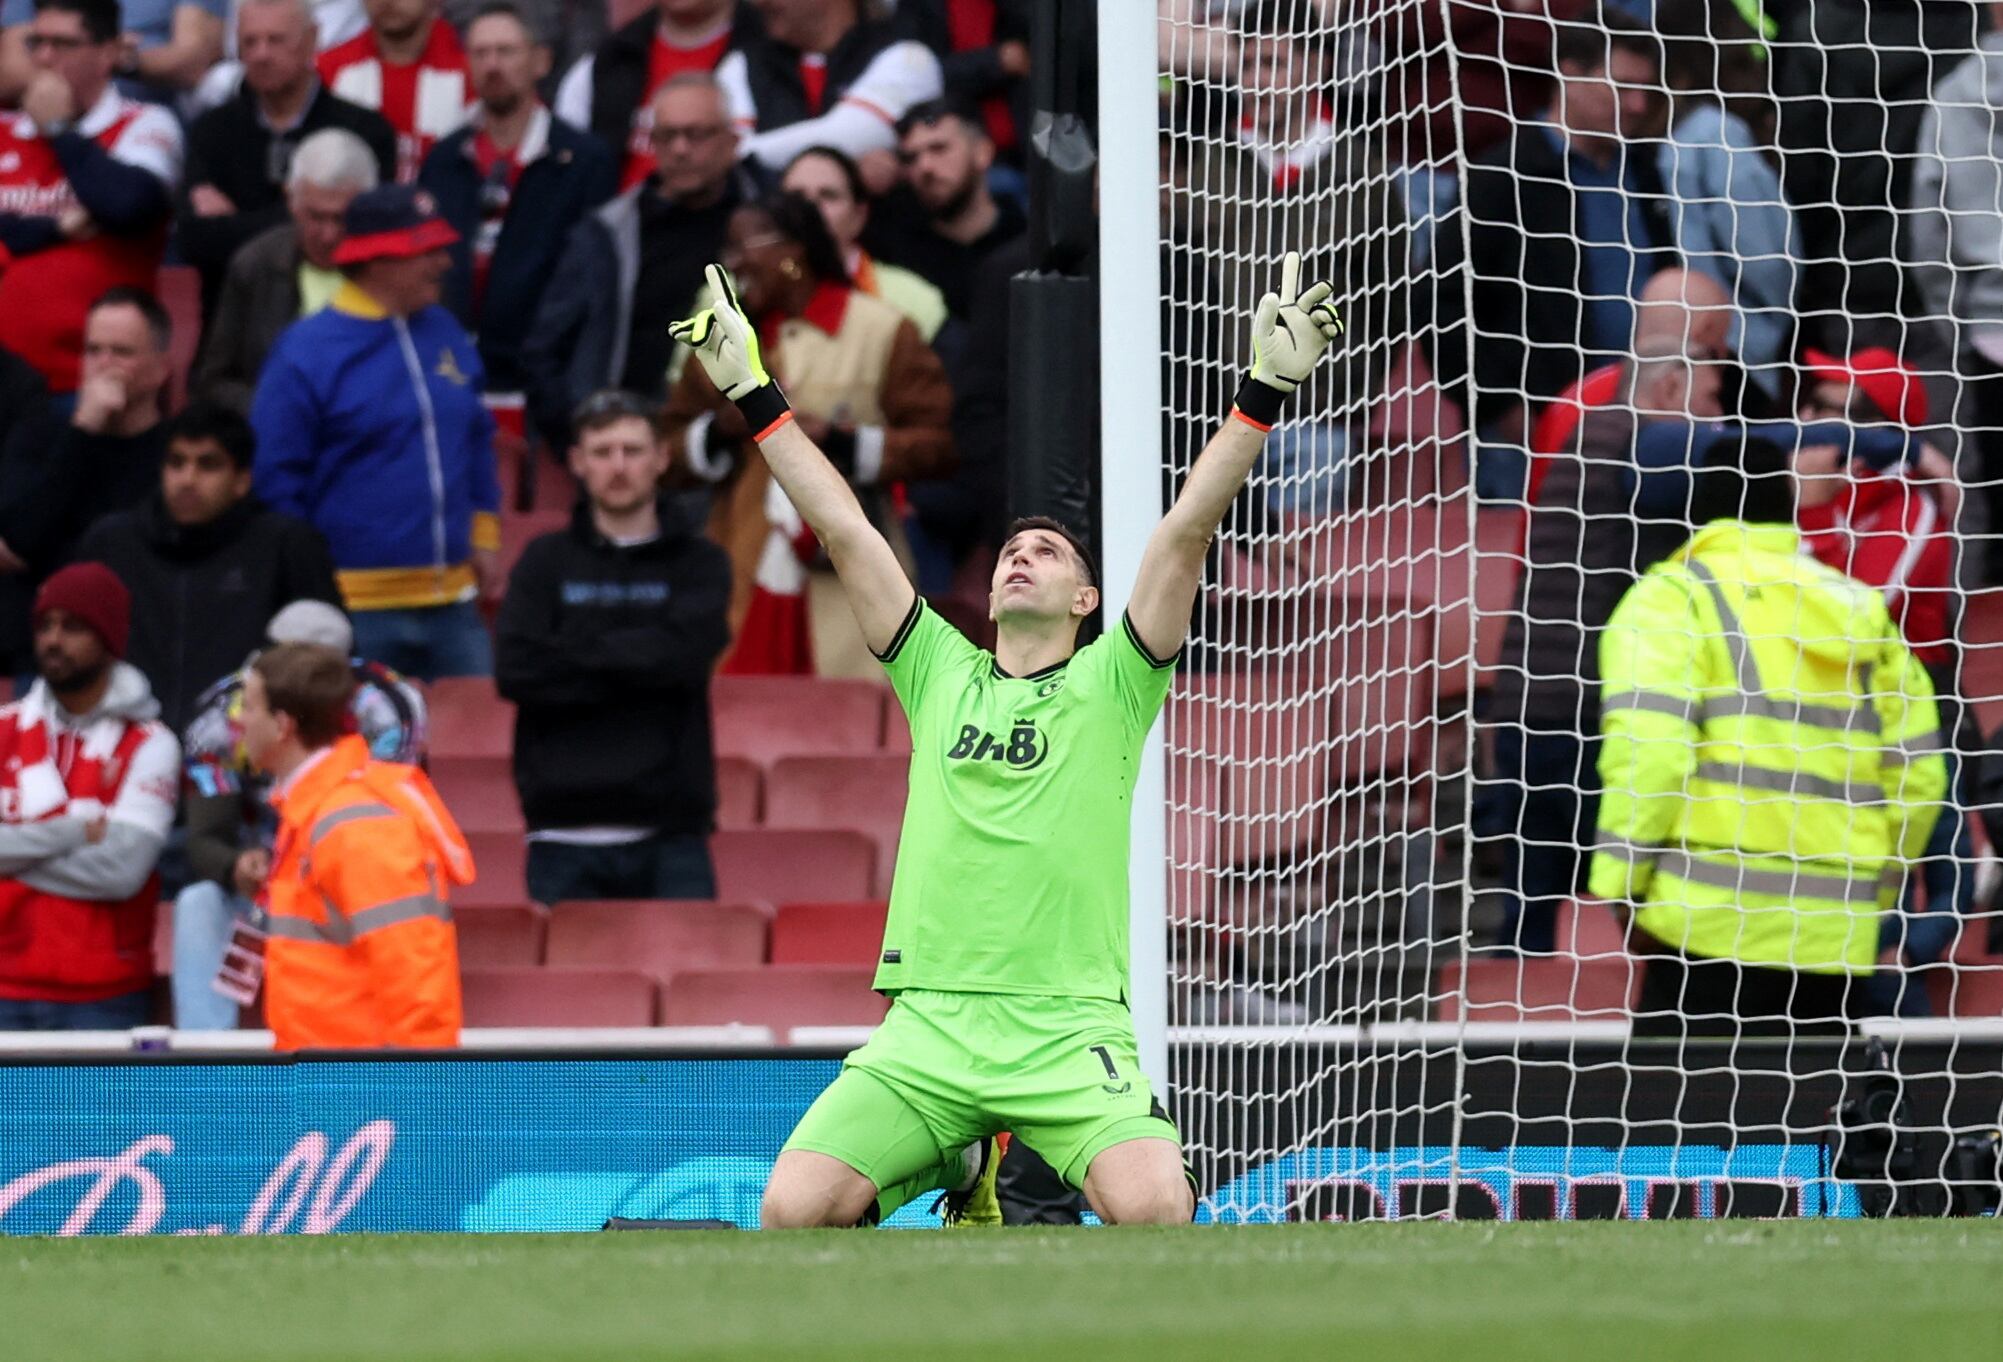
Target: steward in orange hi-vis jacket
(362, 950)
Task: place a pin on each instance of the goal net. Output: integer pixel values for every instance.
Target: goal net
(1579, 252)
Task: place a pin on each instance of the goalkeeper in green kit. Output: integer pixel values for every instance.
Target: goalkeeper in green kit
(1005, 951)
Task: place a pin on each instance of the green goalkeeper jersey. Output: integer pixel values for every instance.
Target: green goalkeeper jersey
(1012, 868)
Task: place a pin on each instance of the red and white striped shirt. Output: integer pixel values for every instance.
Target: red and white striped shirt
(423, 100)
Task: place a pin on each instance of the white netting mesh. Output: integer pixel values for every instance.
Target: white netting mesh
(1578, 254)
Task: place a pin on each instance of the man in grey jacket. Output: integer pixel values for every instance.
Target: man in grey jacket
(635, 265)
(287, 272)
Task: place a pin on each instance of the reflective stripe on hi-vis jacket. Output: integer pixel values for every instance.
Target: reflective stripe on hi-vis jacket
(362, 950)
(1772, 755)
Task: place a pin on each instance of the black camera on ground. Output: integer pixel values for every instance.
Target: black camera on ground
(1871, 1141)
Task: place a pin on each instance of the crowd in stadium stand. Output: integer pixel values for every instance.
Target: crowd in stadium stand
(419, 260)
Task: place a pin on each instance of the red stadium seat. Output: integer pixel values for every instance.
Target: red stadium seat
(656, 937)
(764, 718)
(500, 863)
(778, 996)
(1965, 990)
(1541, 989)
(791, 866)
(497, 936)
(557, 997)
(469, 718)
(828, 933)
(865, 793)
(740, 796)
(896, 728)
(480, 792)
(179, 288)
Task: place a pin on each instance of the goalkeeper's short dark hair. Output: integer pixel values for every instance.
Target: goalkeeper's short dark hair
(1088, 567)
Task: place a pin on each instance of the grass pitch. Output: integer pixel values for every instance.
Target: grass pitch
(1920, 1292)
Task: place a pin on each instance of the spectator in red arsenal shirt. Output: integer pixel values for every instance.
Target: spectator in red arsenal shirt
(87, 794)
(87, 181)
(1893, 529)
(512, 184)
(410, 68)
(983, 49)
(823, 76)
(610, 93)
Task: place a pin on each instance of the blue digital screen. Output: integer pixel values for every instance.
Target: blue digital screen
(539, 1144)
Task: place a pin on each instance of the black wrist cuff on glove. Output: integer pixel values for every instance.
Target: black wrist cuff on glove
(763, 409)
(1259, 402)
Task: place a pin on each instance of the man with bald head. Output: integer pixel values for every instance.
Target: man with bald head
(1585, 546)
(634, 266)
(240, 153)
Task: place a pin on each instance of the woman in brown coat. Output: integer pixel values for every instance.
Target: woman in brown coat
(863, 386)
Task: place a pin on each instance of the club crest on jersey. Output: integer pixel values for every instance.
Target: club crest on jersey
(1050, 688)
(1024, 748)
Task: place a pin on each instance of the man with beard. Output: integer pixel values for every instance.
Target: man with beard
(944, 222)
(88, 778)
(606, 642)
(512, 183)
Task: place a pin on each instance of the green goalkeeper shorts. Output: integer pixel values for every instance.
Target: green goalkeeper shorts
(946, 1069)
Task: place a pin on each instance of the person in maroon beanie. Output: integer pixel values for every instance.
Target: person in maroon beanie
(88, 778)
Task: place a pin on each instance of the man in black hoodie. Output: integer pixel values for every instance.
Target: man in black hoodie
(606, 641)
(207, 565)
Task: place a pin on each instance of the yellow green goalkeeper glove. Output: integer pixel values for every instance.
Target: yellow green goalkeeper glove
(1291, 330)
(726, 344)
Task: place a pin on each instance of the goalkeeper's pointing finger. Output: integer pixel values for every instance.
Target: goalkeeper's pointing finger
(1290, 277)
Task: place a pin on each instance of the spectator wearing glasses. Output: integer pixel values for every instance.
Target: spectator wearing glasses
(240, 153)
(287, 272)
(166, 46)
(512, 183)
(607, 639)
(1584, 547)
(632, 268)
(610, 92)
(833, 182)
(87, 181)
(863, 385)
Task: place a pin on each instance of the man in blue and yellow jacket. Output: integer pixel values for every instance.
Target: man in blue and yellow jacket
(1772, 767)
(370, 424)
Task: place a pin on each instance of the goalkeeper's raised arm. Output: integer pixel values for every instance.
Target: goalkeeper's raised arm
(1291, 330)
(726, 344)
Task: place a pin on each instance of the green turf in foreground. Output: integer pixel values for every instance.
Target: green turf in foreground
(1918, 1292)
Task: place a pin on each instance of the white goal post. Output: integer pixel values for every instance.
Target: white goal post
(1580, 249)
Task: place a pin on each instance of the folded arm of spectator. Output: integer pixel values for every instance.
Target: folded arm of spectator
(122, 199)
(24, 234)
(26, 845)
(114, 867)
(1665, 452)
(863, 120)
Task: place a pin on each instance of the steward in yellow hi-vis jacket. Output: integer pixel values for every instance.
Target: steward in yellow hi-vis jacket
(1771, 764)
